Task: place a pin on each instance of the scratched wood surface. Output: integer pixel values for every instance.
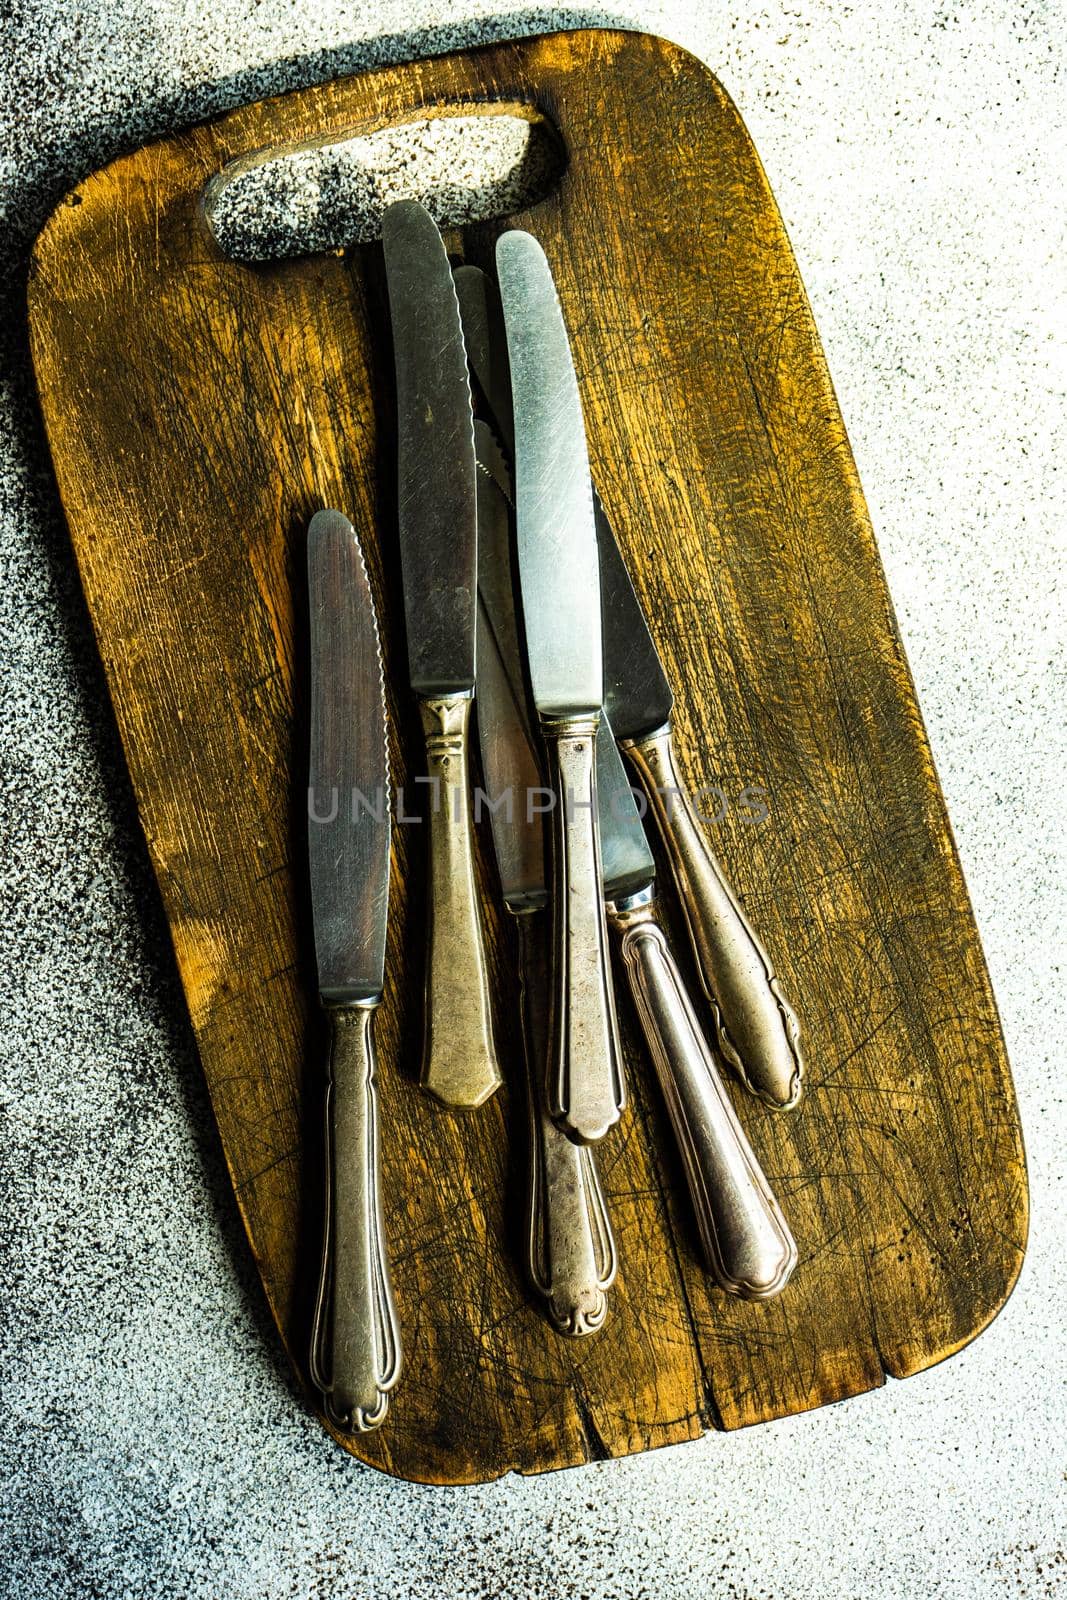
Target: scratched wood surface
(199, 412)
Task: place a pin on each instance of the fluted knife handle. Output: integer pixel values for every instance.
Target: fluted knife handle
(585, 1083)
(459, 1064)
(570, 1246)
(747, 1243)
(355, 1342)
(756, 1029)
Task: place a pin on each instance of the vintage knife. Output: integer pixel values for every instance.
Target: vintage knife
(570, 1249)
(747, 1244)
(756, 1029)
(439, 557)
(355, 1345)
(560, 582)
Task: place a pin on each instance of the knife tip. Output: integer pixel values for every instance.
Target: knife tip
(326, 522)
(515, 244)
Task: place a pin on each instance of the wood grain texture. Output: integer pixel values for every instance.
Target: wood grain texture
(199, 412)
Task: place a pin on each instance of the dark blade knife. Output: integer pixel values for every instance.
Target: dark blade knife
(756, 1029)
(355, 1347)
(570, 1249)
(747, 1244)
(560, 581)
(439, 556)
(485, 336)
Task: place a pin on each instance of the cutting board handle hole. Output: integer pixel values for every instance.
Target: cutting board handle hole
(307, 198)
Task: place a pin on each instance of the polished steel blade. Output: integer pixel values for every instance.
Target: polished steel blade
(558, 563)
(635, 687)
(437, 502)
(348, 773)
(487, 348)
(509, 762)
(625, 859)
(637, 696)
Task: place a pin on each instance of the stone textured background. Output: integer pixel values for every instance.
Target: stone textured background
(151, 1441)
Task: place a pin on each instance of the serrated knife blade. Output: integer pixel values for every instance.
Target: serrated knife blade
(355, 1343)
(348, 771)
(487, 351)
(437, 504)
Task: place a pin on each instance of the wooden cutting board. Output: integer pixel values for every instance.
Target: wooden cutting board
(199, 412)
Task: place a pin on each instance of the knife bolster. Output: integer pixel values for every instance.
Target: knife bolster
(459, 1065)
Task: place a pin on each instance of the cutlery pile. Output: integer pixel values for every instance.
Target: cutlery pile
(517, 604)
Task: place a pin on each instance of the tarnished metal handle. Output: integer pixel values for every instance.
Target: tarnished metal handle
(355, 1340)
(570, 1245)
(747, 1242)
(756, 1029)
(586, 1094)
(459, 1064)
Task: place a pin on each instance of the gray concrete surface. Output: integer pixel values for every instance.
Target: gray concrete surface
(151, 1443)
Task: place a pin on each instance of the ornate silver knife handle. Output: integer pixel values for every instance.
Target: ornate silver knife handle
(756, 1029)
(586, 1093)
(570, 1246)
(459, 1063)
(355, 1338)
(747, 1243)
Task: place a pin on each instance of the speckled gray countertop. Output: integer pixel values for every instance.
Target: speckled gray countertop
(151, 1440)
